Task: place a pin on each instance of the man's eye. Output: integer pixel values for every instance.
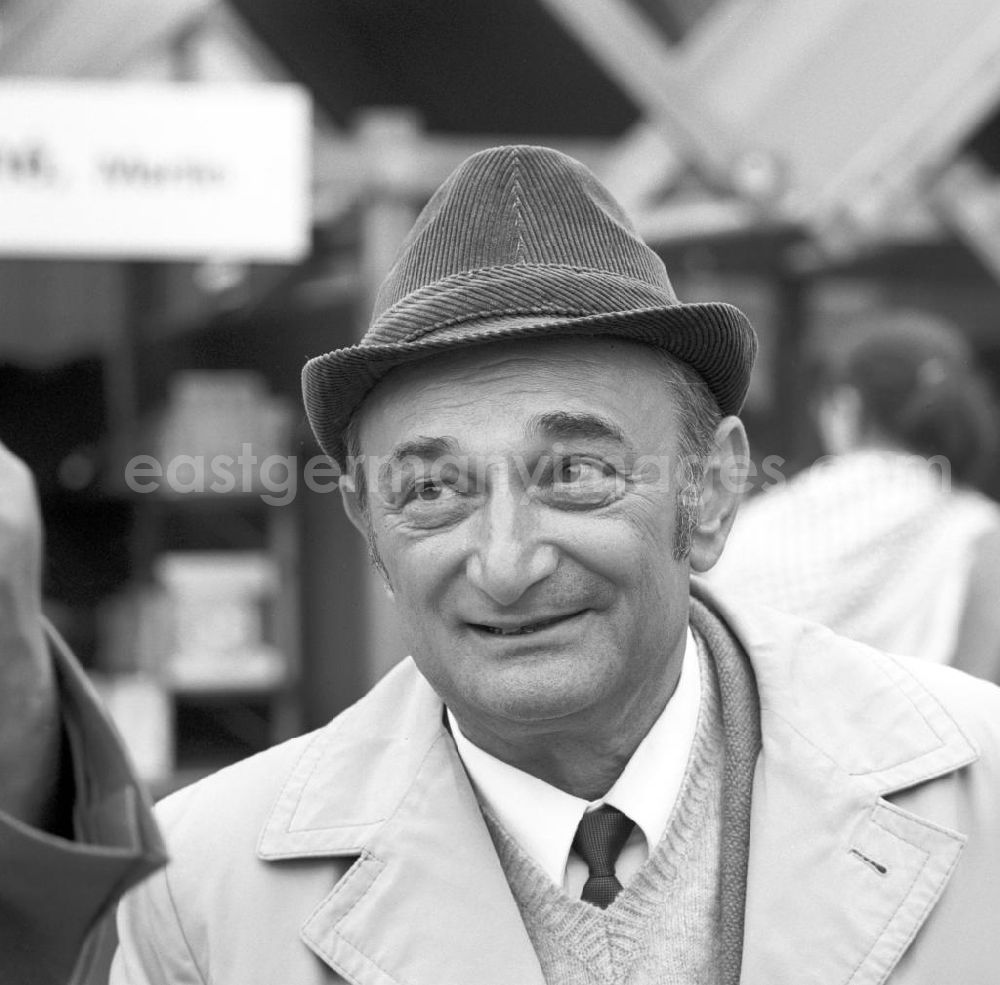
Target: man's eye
(430, 491)
(582, 482)
(435, 491)
(579, 471)
(431, 501)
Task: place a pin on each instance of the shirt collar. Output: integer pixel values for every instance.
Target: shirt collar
(543, 819)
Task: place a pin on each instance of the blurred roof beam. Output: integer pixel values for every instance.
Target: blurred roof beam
(632, 50)
(674, 17)
(835, 116)
(859, 104)
(641, 167)
(968, 195)
(90, 38)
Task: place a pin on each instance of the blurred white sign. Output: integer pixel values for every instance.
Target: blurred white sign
(167, 171)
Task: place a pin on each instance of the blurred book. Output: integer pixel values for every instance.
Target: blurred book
(221, 620)
(142, 710)
(214, 417)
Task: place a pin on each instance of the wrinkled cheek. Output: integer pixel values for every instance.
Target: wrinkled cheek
(614, 558)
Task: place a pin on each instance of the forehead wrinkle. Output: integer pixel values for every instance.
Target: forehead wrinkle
(566, 426)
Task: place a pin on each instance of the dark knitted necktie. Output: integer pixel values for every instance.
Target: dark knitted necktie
(599, 840)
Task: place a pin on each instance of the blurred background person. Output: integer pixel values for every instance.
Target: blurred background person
(75, 828)
(886, 539)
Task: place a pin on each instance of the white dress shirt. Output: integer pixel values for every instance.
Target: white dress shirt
(543, 819)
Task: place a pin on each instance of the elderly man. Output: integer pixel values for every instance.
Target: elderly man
(590, 770)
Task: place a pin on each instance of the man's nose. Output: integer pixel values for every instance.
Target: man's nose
(509, 554)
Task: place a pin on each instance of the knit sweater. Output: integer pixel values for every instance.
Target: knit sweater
(664, 926)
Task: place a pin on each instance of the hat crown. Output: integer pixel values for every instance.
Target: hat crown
(524, 243)
(519, 206)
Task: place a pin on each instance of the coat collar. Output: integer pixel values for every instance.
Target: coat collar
(841, 875)
(864, 711)
(843, 728)
(426, 902)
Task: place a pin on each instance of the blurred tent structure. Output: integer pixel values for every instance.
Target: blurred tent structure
(797, 158)
(852, 120)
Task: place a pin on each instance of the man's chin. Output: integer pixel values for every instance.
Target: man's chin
(534, 704)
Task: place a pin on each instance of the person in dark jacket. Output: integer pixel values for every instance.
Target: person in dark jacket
(75, 827)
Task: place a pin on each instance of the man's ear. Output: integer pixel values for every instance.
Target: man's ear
(353, 506)
(722, 488)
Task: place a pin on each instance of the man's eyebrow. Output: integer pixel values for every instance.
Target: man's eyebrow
(425, 449)
(564, 426)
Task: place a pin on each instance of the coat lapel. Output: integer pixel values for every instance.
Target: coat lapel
(841, 877)
(423, 900)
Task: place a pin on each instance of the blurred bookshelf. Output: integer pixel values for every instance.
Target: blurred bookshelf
(199, 656)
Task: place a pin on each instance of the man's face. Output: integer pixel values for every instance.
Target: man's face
(522, 500)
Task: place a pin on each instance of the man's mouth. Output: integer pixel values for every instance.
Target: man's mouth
(523, 629)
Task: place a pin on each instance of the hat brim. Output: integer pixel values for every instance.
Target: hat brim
(713, 338)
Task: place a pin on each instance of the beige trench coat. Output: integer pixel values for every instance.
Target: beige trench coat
(358, 853)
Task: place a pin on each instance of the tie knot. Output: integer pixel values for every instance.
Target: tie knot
(600, 838)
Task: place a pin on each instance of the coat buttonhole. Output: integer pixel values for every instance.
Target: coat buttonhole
(877, 866)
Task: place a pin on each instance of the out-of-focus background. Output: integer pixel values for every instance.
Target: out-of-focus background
(197, 195)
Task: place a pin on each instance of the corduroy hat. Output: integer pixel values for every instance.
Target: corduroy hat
(519, 243)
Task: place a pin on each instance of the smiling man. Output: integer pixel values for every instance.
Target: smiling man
(590, 770)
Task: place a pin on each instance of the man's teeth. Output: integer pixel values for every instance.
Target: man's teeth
(520, 630)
